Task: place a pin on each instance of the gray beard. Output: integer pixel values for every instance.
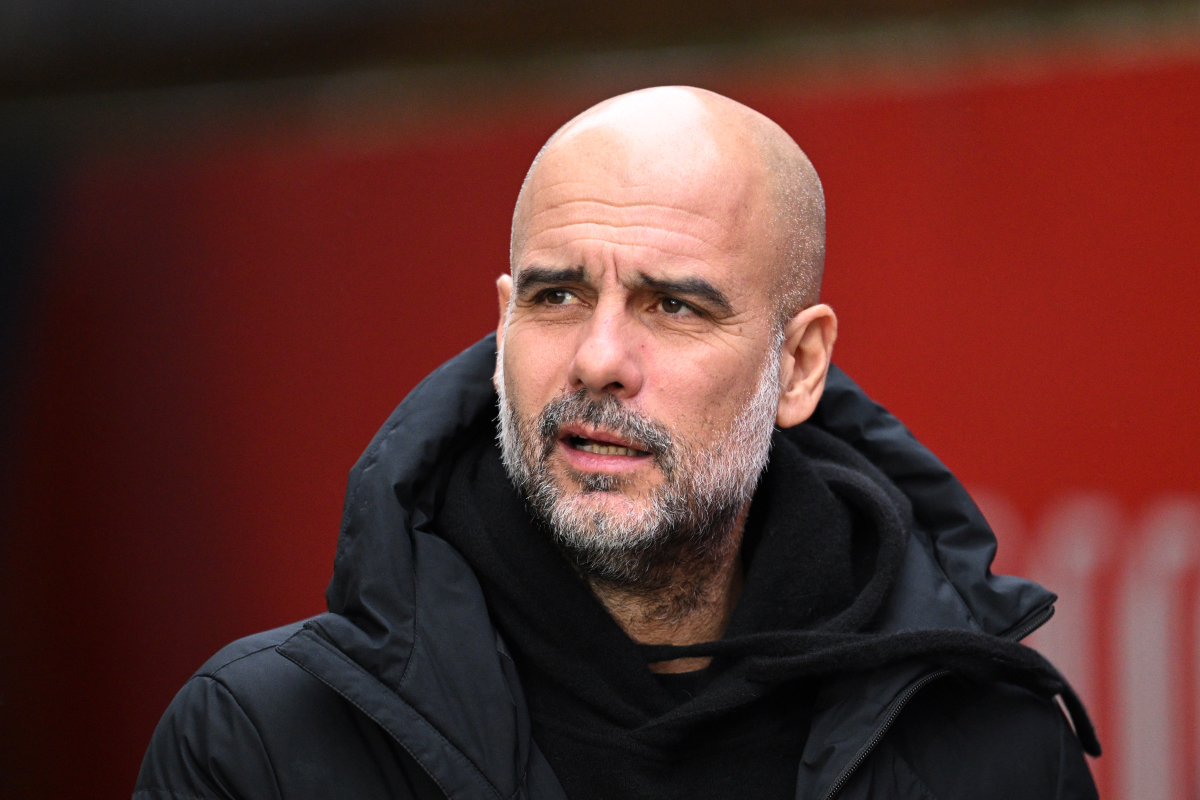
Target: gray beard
(672, 538)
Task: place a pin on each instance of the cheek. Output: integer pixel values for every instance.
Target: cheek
(707, 397)
(535, 367)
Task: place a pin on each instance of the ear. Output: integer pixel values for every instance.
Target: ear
(503, 293)
(807, 349)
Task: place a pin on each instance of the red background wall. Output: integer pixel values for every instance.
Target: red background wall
(221, 328)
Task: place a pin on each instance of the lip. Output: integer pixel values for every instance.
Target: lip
(596, 434)
(584, 461)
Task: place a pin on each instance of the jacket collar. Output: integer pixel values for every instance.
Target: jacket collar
(408, 638)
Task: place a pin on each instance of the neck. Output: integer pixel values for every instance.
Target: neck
(692, 604)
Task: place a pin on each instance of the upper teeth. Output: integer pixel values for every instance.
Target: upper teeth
(606, 449)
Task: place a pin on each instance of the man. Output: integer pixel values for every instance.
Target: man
(694, 561)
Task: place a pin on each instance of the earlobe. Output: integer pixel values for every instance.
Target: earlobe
(804, 363)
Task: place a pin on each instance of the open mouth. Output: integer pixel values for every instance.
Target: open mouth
(602, 448)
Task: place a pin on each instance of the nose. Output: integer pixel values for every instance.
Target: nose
(606, 359)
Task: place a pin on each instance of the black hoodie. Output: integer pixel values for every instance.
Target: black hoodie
(405, 688)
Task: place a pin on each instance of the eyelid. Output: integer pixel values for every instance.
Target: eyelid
(536, 293)
(542, 294)
(688, 304)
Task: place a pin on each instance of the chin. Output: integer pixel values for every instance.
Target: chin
(616, 499)
(617, 504)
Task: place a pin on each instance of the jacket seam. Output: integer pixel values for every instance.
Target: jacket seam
(936, 554)
(502, 652)
(213, 673)
(261, 743)
(441, 737)
(916, 776)
(416, 619)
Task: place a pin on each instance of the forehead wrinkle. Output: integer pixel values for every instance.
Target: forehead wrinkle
(658, 233)
(735, 208)
(631, 246)
(737, 193)
(692, 218)
(694, 225)
(536, 190)
(635, 204)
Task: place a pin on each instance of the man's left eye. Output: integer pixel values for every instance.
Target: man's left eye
(560, 297)
(672, 306)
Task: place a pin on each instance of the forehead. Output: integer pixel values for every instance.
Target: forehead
(679, 191)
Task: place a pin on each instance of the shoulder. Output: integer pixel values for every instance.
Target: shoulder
(251, 723)
(251, 665)
(965, 739)
(249, 646)
(210, 742)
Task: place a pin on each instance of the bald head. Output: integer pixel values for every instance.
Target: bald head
(732, 160)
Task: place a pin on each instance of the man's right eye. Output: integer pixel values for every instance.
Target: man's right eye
(560, 297)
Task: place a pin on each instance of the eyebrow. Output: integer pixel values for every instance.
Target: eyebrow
(530, 277)
(689, 287)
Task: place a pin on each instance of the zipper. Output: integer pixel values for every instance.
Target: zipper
(901, 702)
(1038, 620)
(1035, 622)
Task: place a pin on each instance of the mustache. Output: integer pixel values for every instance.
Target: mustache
(606, 413)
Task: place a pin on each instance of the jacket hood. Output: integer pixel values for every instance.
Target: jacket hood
(408, 611)
(394, 487)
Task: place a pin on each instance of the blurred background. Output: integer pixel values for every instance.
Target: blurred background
(233, 235)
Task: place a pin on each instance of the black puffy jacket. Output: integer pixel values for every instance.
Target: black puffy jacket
(405, 690)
